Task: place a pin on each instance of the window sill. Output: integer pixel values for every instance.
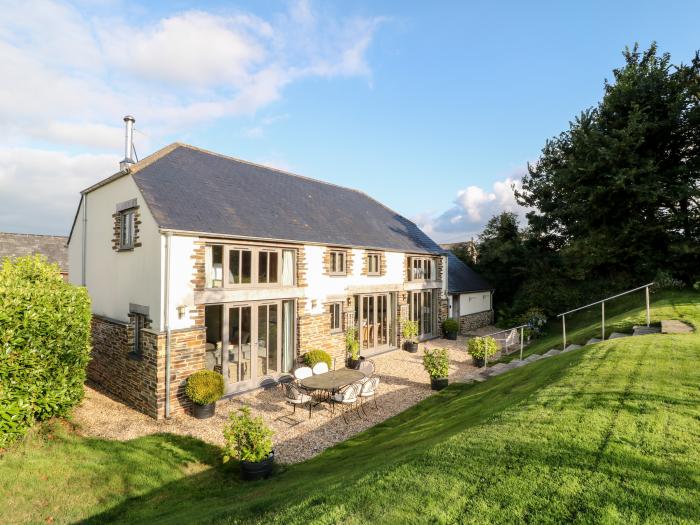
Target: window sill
(125, 249)
(133, 356)
(337, 274)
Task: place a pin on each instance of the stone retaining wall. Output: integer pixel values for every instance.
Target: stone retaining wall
(470, 322)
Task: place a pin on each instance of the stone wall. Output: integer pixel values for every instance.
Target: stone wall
(116, 369)
(315, 334)
(470, 322)
(139, 379)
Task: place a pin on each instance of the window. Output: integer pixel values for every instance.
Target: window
(336, 314)
(217, 264)
(337, 263)
(139, 321)
(126, 230)
(248, 266)
(373, 261)
(239, 267)
(421, 269)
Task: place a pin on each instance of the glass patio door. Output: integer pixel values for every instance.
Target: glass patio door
(374, 321)
(423, 312)
(260, 343)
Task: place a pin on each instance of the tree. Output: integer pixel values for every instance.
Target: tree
(616, 196)
(501, 256)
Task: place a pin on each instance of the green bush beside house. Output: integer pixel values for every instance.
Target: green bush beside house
(44, 344)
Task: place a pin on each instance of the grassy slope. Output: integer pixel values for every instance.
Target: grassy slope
(620, 316)
(604, 434)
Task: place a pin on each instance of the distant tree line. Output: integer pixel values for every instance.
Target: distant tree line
(614, 199)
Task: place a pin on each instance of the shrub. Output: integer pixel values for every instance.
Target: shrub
(665, 281)
(44, 344)
(482, 347)
(317, 356)
(246, 438)
(437, 362)
(450, 326)
(535, 319)
(409, 330)
(696, 286)
(352, 345)
(204, 387)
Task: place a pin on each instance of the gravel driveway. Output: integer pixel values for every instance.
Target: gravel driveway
(403, 383)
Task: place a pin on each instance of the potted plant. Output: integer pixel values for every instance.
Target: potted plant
(481, 348)
(437, 364)
(249, 440)
(352, 346)
(313, 357)
(409, 330)
(204, 388)
(450, 328)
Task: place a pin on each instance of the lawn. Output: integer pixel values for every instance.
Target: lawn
(604, 434)
(621, 315)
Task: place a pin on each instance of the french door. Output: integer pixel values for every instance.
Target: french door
(422, 306)
(256, 342)
(375, 321)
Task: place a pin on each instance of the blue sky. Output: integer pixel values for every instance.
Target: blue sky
(433, 108)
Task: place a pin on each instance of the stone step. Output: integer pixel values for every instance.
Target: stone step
(550, 353)
(533, 357)
(572, 346)
(494, 370)
(518, 363)
(674, 326)
(618, 335)
(646, 330)
(593, 340)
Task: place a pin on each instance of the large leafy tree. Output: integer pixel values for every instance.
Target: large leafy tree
(617, 194)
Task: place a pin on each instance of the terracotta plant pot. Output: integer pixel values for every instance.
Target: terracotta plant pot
(203, 411)
(438, 383)
(251, 471)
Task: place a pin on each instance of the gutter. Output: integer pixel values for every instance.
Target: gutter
(166, 302)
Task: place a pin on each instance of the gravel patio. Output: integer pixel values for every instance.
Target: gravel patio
(403, 383)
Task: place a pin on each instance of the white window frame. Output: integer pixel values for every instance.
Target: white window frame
(254, 251)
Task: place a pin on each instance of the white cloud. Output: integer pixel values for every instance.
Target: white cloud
(41, 189)
(470, 211)
(72, 74)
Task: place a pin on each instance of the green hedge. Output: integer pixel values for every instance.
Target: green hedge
(44, 344)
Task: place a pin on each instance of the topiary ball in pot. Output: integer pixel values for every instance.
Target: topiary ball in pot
(314, 357)
(204, 388)
(450, 328)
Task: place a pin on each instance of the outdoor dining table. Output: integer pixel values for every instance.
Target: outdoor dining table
(332, 381)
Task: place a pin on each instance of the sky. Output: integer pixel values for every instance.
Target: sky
(433, 108)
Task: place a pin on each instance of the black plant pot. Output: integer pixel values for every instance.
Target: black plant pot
(410, 347)
(452, 336)
(354, 364)
(251, 471)
(204, 411)
(478, 361)
(438, 383)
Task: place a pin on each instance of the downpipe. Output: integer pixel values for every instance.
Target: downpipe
(166, 301)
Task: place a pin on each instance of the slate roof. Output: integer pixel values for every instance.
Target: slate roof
(462, 279)
(20, 244)
(193, 190)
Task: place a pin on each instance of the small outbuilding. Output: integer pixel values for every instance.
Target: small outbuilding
(469, 296)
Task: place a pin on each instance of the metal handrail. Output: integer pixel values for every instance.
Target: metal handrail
(521, 327)
(606, 299)
(602, 310)
(506, 330)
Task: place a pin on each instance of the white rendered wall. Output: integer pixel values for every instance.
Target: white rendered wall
(115, 279)
(472, 303)
(181, 275)
(323, 288)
